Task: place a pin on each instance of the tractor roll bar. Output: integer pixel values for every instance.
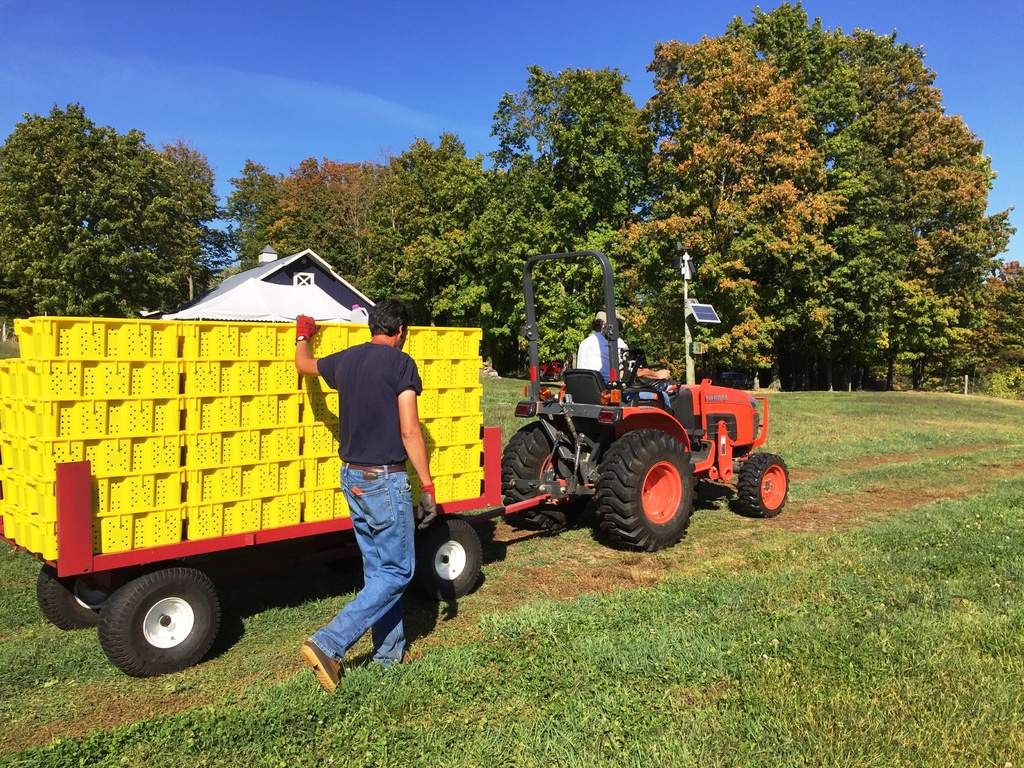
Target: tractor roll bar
(530, 331)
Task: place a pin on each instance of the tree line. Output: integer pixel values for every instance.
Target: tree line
(837, 212)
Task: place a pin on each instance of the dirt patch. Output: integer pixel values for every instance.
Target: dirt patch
(844, 511)
(869, 462)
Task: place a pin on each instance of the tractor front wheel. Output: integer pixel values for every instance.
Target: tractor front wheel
(762, 486)
(645, 491)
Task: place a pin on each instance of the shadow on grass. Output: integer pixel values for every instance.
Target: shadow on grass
(288, 575)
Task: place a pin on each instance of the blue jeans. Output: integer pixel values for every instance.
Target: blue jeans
(382, 520)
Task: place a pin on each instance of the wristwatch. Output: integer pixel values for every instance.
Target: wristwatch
(301, 338)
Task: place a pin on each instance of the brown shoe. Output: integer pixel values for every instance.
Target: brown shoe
(326, 669)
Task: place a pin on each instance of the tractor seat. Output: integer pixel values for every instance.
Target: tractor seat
(584, 385)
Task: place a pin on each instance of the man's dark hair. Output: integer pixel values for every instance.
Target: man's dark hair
(387, 316)
(597, 325)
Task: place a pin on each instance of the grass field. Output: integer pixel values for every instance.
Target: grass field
(878, 621)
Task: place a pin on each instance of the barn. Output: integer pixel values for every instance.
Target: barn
(279, 289)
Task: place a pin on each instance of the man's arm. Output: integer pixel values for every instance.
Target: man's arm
(412, 435)
(305, 363)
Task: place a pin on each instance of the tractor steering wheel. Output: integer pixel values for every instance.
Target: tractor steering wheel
(632, 361)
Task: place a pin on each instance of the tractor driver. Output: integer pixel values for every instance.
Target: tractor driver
(593, 352)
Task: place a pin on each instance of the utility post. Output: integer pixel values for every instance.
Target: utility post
(683, 263)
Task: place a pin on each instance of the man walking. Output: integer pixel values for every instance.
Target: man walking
(379, 429)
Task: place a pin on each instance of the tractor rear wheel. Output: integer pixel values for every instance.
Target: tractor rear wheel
(526, 459)
(645, 491)
(762, 486)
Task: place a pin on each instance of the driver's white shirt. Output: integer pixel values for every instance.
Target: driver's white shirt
(589, 353)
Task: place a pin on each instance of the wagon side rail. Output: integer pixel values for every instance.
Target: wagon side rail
(75, 521)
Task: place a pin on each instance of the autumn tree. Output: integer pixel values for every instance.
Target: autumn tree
(912, 238)
(739, 184)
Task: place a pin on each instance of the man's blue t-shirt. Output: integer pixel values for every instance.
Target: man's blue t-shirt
(369, 378)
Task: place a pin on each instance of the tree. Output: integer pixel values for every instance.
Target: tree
(739, 184)
(569, 175)
(326, 206)
(93, 222)
(418, 241)
(913, 183)
(254, 207)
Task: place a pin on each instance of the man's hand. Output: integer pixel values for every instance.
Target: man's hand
(426, 512)
(305, 326)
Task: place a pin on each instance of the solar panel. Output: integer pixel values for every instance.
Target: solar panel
(704, 313)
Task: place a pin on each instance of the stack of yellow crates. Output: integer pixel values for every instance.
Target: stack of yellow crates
(203, 429)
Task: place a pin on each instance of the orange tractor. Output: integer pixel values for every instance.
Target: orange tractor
(633, 449)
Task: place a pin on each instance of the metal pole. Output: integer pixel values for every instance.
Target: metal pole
(687, 338)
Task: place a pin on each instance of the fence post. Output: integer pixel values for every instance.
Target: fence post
(965, 383)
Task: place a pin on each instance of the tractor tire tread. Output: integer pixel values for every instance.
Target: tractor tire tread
(748, 499)
(620, 514)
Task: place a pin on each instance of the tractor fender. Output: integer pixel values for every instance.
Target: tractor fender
(651, 418)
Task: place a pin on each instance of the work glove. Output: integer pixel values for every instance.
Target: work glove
(305, 326)
(426, 511)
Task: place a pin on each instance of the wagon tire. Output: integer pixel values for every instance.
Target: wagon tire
(160, 622)
(645, 491)
(59, 603)
(762, 486)
(448, 559)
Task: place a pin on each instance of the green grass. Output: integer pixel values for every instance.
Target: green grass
(897, 642)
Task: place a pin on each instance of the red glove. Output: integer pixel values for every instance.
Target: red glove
(305, 326)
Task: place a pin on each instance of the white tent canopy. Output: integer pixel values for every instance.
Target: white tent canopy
(255, 299)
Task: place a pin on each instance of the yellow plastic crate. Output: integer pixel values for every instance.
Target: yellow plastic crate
(443, 343)
(239, 482)
(454, 487)
(319, 404)
(453, 430)
(66, 379)
(456, 458)
(445, 402)
(324, 504)
(34, 535)
(107, 456)
(335, 337)
(113, 496)
(137, 531)
(222, 412)
(450, 373)
(320, 440)
(204, 521)
(278, 511)
(240, 377)
(248, 446)
(322, 472)
(84, 419)
(83, 338)
(237, 341)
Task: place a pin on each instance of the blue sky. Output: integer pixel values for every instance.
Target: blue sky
(356, 81)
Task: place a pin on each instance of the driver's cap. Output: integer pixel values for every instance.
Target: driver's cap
(603, 316)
